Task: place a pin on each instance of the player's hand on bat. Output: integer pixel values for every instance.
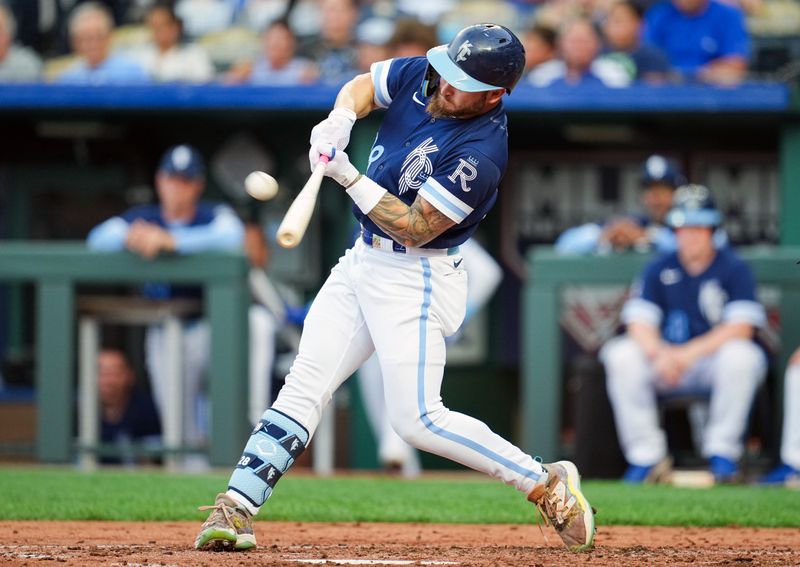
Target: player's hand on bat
(339, 167)
(334, 130)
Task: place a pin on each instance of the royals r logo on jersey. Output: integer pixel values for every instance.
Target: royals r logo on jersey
(466, 171)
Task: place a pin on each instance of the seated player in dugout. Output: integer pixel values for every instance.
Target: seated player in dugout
(433, 175)
(690, 326)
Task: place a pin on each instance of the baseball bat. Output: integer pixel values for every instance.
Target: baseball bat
(295, 221)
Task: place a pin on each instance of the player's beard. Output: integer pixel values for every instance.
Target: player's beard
(439, 107)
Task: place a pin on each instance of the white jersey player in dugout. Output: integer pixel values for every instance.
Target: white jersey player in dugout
(433, 174)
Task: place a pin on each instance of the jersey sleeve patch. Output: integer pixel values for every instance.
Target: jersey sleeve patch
(445, 202)
(380, 80)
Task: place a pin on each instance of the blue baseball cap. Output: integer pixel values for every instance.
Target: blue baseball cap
(183, 160)
(658, 169)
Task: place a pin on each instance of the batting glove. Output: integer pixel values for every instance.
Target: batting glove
(339, 167)
(334, 130)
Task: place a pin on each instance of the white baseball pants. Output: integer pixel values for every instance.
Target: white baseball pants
(790, 443)
(401, 306)
(391, 448)
(732, 374)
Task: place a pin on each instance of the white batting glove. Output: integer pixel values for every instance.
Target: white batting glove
(339, 167)
(334, 130)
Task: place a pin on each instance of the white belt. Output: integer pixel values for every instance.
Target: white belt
(388, 245)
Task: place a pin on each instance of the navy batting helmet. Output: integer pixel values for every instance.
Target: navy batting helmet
(693, 205)
(658, 169)
(482, 57)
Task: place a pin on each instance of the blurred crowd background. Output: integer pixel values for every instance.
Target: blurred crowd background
(283, 42)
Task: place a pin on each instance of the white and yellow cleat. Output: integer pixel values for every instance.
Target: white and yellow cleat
(563, 505)
(229, 527)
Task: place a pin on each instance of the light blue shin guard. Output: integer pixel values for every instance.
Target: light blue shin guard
(275, 443)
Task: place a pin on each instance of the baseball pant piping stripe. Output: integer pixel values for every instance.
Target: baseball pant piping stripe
(423, 411)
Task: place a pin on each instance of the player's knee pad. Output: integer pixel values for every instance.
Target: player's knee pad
(274, 445)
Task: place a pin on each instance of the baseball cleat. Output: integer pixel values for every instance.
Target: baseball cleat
(725, 470)
(228, 527)
(782, 475)
(563, 505)
(659, 473)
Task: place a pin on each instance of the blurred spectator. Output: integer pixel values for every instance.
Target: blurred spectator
(623, 29)
(581, 63)
(541, 55)
(278, 64)
(426, 11)
(201, 17)
(17, 64)
(90, 28)
(788, 472)
(165, 59)
(258, 14)
(373, 36)
(335, 50)
(556, 13)
(643, 232)
(412, 38)
(127, 413)
(180, 224)
(705, 40)
(38, 24)
(690, 325)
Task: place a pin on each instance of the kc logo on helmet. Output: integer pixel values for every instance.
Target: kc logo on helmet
(464, 51)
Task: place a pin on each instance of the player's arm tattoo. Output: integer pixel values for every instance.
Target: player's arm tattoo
(413, 225)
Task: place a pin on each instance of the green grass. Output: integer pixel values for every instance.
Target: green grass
(67, 494)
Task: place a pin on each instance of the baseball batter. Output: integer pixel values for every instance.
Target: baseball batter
(433, 174)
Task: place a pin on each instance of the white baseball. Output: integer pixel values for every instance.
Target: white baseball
(261, 186)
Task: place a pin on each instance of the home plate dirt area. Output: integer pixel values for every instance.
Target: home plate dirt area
(294, 543)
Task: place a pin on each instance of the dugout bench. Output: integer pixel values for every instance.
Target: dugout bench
(541, 360)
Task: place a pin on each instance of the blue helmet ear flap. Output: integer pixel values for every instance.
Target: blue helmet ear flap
(430, 82)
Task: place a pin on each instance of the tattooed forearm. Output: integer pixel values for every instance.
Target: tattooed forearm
(413, 225)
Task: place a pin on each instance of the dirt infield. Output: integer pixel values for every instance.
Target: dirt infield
(292, 544)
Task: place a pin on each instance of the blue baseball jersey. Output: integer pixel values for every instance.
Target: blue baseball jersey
(455, 164)
(684, 306)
